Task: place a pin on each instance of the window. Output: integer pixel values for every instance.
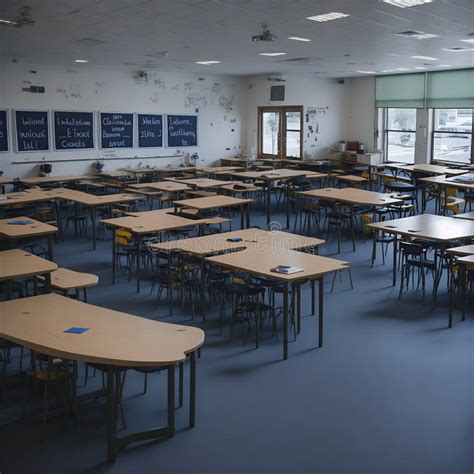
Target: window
(452, 135)
(400, 135)
(280, 132)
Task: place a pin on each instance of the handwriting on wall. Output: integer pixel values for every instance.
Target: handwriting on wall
(182, 130)
(73, 130)
(32, 130)
(116, 130)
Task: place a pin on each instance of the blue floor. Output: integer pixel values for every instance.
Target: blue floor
(391, 391)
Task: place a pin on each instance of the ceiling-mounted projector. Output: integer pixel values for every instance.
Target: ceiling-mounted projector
(265, 35)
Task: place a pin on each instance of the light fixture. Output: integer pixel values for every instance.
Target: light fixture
(207, 63)
(406, 3)
(458, 50)
(297, 38)
(425, 58)
(81, 61)
(327, 17)
(388, 70)
(469, 40)
(422, 36)
(444, 65)
(402, 69)
(8, 22)
(271, 54)
(421, 68)
(366, 72)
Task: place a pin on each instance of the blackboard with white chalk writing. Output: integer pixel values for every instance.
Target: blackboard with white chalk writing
(182, 130)
(150, 130)
(116, 130)
(32, 130)
(3, 131)
(73, 130)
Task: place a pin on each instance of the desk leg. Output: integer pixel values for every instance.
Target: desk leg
(463, 270)
(247, 216)
(171, 416)
(94, 229)
(50, 246)
(268, 202)
(47, 283)
(242, 217)
(395, 252)
(170, 282)
(285, 321)
(203, 289)
(114, 256)
(138, 261)
(287, 205)
(298, 307)
(192, 390)
(321, 310)
(9, 289)
(451, 289)
(111, 416)
(352, 229)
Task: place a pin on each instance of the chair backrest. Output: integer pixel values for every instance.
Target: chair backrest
(412, 249)
(122, 237)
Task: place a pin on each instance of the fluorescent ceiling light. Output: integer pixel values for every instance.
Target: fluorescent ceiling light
(422, 36)
(81, 61)
(388, 70)
(425, 58)
(470, 40)
(366, 72)
(272, 54)
(444, 65)
(458, 50)
(207, 63)
(402, 69)
(8, 22)
(420, 68)
(297, 38)
(406, 3)
(327, 17)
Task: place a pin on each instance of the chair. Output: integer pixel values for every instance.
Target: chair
(125, 249)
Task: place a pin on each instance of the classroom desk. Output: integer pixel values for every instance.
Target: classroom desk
(4, 182)
(165, 186)
(117, 174)
(14, 232)
(142, 224)
(212, 170)
(201, 183)
(115, 340)
(239, 187)
(424, 226)
(17, 263)
(245, 162)
(434, 169)
(351, 179)
(213, 202)
(260, 264)
(465, 263)
(269, 177)
(467, 215)
(43, 180)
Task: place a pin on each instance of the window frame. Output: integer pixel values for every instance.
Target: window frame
(434, 131)
(386, 131)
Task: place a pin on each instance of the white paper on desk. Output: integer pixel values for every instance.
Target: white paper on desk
(288, 270)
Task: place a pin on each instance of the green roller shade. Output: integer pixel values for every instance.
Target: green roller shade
(400, 91)
(451, 89)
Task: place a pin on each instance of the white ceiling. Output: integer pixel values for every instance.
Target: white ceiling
(134, 33)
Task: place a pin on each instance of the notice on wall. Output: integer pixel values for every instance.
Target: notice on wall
(3, 131)
(116, 130)
(32, 130)
(182, 131)
(150, 130)
(73, 130)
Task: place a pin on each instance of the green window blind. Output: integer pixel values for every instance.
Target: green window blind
(451, 89)
(400, 91)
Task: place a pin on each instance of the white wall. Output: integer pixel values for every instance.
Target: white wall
(220, 101)
(327, 96)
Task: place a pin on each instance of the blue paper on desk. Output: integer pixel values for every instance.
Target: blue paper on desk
(20, 222)
(75, 330)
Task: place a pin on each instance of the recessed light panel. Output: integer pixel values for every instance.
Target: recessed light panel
(424, 58)
(469, 40)
(407, 3)
(297, 38)
(272, 54)
(207, 63)
(366, 72)
(327, 17)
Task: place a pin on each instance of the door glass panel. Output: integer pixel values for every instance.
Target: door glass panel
(293, 144)
(293, 120)
(270, 129)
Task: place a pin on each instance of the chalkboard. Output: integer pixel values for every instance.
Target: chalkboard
(116, 130)
(150, 130)
(32, 130)
(3, 131)
(73, 130)
(182, 130)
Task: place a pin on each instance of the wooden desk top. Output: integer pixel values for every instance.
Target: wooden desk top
(350, 178)
(202, 183)
(142, 170)
(462, 250)
(18, 263)
(352, 196)
(65, 279)
(434, 169)
(113, 338)
(466, 215)
(261, 240)
(283, 173)
(115, 174)
(243, 187)
(151, 223)
(429, 227)
(38, 180)
(259, 263)
(18, 231)
(236, 159)
(28, 196)
(467, 261)
(219, 169)
(92, 199)
(4, 181)
(444, 180)
(211, 202)
(169, 186)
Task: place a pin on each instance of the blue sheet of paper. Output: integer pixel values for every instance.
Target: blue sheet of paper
(75, 330)
(20, 222)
